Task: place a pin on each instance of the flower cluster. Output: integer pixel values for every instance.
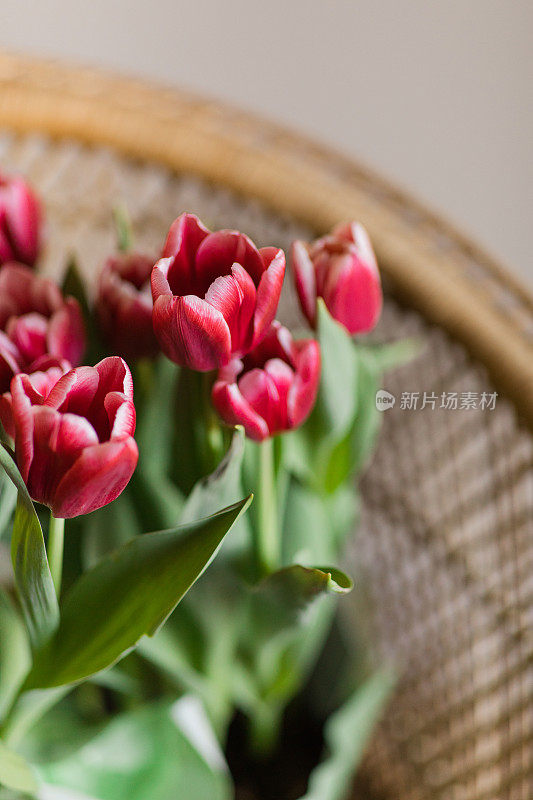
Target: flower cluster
(208, 303)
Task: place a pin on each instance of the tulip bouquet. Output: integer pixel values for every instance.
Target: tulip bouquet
(125, 671)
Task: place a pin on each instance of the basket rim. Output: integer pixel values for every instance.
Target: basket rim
(428, 263)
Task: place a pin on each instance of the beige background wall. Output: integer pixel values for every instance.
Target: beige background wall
(434, 93)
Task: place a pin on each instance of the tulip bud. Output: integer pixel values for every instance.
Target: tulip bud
(273, 388)
(124, 306)
(215, 294)
(20, 222)
(47, 372)
(342, 269)
(75, 448)
(35, 322)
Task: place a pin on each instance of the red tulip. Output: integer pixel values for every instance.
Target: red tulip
(75, 448)
(35, 322)
(273, 388)
(48, 371)
(215, 294)
(20, 222)
(124, 305)
(341, 268)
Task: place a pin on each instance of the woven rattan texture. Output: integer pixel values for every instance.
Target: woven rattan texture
(446, 543)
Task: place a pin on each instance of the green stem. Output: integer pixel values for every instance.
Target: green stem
(56, 536)
(213, 444)
(267, 535)
(123, 228)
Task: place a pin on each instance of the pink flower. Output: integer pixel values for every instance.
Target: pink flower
(341, 268)
(46, 374)
(273, 388)
(20, 222)
(75, 448)
(35, 322)
(215, 294)
(124, 305)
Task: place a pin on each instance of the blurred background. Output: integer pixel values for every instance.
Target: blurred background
(435, 95)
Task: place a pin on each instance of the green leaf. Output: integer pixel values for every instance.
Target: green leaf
(28, 709)
(191, 430)
(158, 502)
(159, 752)
(362, 436)
(126, 595)
(311, 449)
(15, 772)
(351, 453)
(30, 563)
(394, 354)
(155, 425)
(15, 655)
(337, 395)
(8, 501)
(221, 487)
(108, 528)
(347, 733)
(288, 615)
(309, 533)
(280, 599)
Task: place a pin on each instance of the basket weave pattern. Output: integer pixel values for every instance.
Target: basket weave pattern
(445, 545)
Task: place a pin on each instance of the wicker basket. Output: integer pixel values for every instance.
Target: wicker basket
(447, 523)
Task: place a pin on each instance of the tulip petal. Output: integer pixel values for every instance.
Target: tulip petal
(58, 440)
(29, 333)
(356, 234)
(96, 478)
(15, 280)
(234, 409)
(283, 376)
(269, 290)
(75, 391)
(305, 280)
(159, 278)
(121, 414)
(66, 332)
(37, 386)
(6, 250)
(234, 296)
(302, 394)
(6, 414)
(10, 361)
(124, 306)
(23, 218)
(28, 291)
(115, 376)
(184, 238)
(219, 251)
(352, 293)
(191, 332)
(21, 409)
(260, 391)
